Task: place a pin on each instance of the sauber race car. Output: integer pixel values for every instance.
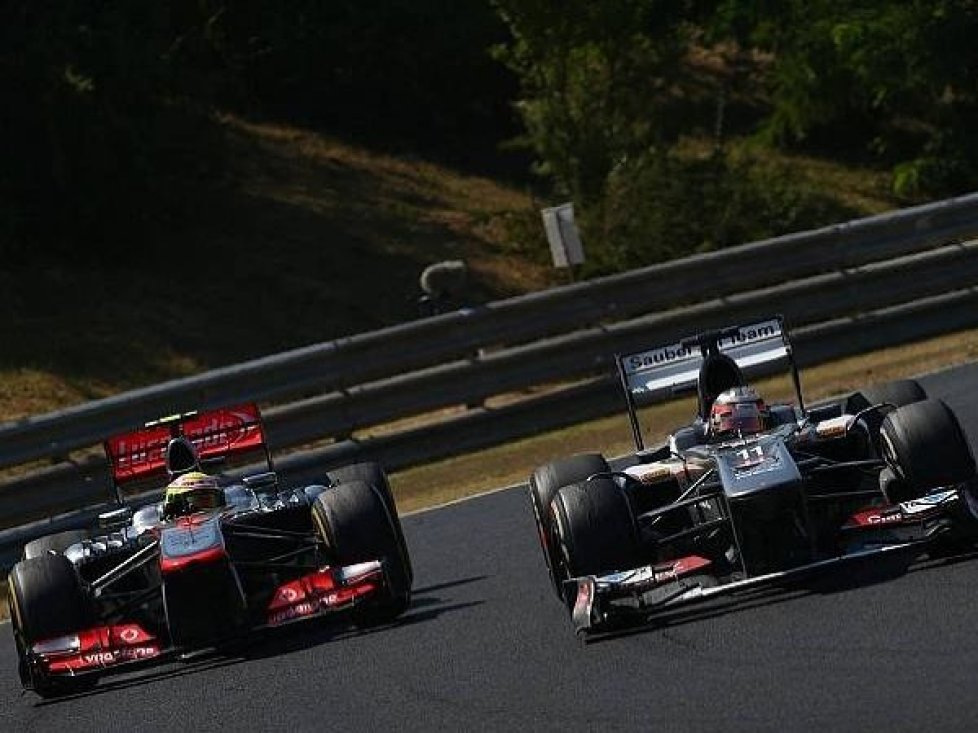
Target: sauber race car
(215, 559)
(748, 494)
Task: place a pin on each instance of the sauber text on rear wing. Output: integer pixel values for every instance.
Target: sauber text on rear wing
(659, 373)
(216, 434)
(666, 370)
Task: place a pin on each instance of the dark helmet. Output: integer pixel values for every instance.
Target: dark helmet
(738, 411)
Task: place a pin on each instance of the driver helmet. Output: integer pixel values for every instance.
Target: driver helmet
(192, 492)
(738, 411)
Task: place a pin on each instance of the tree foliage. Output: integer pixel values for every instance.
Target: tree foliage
(596, 83)
(898, 79)
(108, 114)
(108, 119)
(97, 118)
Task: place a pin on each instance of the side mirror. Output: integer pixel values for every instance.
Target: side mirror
(261, 481)
(115, 518)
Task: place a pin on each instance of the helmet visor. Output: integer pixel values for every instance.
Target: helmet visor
(743, 417)
(190, 501)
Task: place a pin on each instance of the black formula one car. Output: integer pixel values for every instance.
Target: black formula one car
(208, 564)
(719, 509)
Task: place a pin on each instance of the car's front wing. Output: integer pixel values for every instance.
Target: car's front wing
(601, 603)
(125, 644)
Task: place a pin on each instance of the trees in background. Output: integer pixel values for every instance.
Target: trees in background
(896, 79)
(101, 116)
(610, 90)
(626, 104)
(107, 121)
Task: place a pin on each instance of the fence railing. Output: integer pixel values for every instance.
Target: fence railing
(842, 289)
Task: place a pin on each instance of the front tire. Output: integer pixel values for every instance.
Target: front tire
(594, 529)
(544, 484)
(898, 393)
(357, 526)
(47, 600)
(374, 474)
(925, 447)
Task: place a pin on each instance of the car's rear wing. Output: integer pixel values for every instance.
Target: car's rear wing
(218, 435)
(668, 370)
(665, 371)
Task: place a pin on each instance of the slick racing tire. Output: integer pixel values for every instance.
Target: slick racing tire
(925, 447)
(47, 600)
(890, 395)
(595, 529)
(897, 393)
(56, 543)
(545, 482)
(357, 526)
(374, 474)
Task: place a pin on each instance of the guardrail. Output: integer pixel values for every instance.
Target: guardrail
(829, 283)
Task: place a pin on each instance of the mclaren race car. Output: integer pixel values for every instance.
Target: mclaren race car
(215, 559)
(748, 494)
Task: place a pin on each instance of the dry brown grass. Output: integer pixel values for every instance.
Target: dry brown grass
(306, 240)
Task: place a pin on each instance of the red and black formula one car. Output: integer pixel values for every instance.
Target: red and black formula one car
(748, 494)
(217, 558)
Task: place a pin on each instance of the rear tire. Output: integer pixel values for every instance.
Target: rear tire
(374, 474)
(898, 393)
(58, 543)
(594, 529)
(544, 484)
(47, 600)
(924, 444)
(357, 526)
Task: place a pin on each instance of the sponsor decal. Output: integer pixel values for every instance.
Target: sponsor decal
(97, 647)
(884, 518)
(689, 564)
(183, 540)
(300, 610)
(752, 461)
(650, 473)
(141, 453)
(656, 574)
(310, 594)
(102, 658)
(833, 427)
(120, 655)
(929, 502)
(585, 592)
(657, 357)
(748, 334)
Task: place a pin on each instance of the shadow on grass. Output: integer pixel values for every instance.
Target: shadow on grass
(295, 249)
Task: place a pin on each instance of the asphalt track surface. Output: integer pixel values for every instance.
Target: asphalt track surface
(486, 646)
